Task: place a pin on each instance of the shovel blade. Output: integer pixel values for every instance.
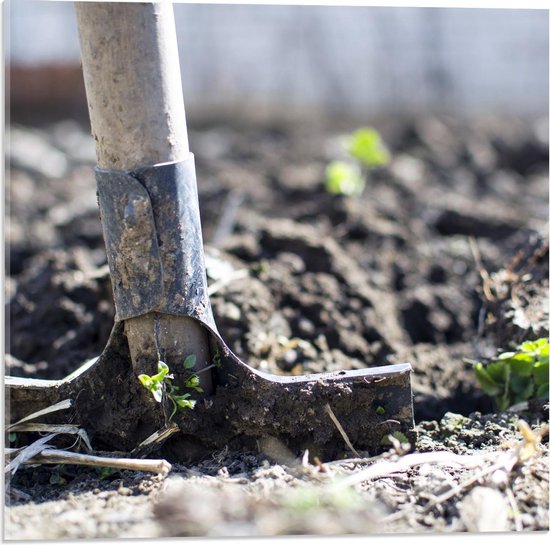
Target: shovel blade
(245, 407)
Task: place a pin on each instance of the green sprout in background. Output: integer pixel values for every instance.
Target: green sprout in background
(162, 388)
(517, 376)
(364, 149)
(344, 179)
(366, 146)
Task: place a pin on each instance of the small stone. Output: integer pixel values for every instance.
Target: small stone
(484, 509)
(232, 312)
(290, 356)
(124, 491)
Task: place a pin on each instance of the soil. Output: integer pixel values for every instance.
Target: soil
(305, 282)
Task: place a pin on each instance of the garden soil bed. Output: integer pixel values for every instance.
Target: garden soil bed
(305, 282)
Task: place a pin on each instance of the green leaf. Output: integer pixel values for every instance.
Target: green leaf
(157, 390)
(543, 351)
(194, 382)
(499, 371)
(105, 472)
(154, 386)
(534, 346)
(507, 355)
(146, 381)
(522, 364)
(183, 402)
(503, 401)
(540, 372)
(486, 382)
(344, 179)
(163, 371)
(528, 346)
(188, 404)
(190, 361)
(522, 387)
(542, 391)
(400, 436)
(367, 146)
(56, 478)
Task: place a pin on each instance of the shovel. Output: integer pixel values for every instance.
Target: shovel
(149, 210)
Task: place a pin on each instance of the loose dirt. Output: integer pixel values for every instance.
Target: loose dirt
(304, 282)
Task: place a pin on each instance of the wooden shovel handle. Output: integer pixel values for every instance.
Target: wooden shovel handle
(133, 86)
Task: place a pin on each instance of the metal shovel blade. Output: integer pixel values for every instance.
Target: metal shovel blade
(144, 214)
(246, 405)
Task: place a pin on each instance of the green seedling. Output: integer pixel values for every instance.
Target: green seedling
(56, 476)
(516, 376)
(344, 179)
(395, 437)
(365, 149)
(366, 145)
(106, 472)
(162, 387)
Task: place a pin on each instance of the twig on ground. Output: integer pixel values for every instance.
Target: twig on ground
(54, 456)
(486, 279)
(28, 453)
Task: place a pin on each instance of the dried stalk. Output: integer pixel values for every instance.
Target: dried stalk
(54, 456)
(339, 427)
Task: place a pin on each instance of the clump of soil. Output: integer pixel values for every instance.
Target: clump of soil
(443, 261)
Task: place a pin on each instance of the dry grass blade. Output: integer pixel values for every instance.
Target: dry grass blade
(55, 456)
(71, 429)
(506, 461)
(385, 467)
(9, 453)
(61, 406)
(28, 453)
(339, 427)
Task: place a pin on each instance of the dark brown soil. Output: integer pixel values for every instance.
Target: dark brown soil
(310, 282)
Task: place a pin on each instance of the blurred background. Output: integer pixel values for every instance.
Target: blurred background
(270, 61)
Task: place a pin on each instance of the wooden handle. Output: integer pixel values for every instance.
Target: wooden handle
(133, 84)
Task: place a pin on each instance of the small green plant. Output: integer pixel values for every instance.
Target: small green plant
(344, 179)
(516, 376)
(162, 387)
(366, 145)
(106, 472)
(364, 149)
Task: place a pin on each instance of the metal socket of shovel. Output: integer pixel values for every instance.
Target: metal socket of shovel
(151, 225)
